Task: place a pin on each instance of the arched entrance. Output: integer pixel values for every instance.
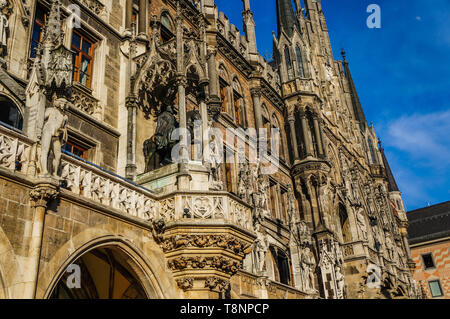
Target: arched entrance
(103, 273)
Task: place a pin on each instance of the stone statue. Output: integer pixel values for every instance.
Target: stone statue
(4, 28)
(157, 150)
(339, 283)
(307, 265)
(390, 247)
(54, 135)
(291, 210)
(215, 181)
(261, 248)
(361, 222)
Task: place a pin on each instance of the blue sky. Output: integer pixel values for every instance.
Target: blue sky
(402, 74)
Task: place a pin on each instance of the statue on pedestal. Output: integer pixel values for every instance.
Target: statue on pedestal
(54, 135)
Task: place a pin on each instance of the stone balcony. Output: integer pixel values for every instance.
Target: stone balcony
(204, 235)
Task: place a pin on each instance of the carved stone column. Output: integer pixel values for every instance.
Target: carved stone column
(291, 120)
(40, 197)
(256, 96)
(183, 177)
(143, 19)
(129, 14)
(212, 72)
(318, 135)
(131, 138)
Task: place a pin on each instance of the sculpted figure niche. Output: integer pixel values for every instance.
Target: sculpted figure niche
(307, 266)
(261, 247)
(54, 135)
(4, 27)
(158, 148)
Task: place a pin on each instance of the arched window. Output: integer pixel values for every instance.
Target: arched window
(239, 107)
(301, 70)
(280, 146)
(167, 27)
(289, 68)
(282, 272)
(10, 114)
(224, 84)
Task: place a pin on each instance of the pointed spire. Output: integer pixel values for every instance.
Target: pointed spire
(357, 108)
(285, 17)
(392, 184)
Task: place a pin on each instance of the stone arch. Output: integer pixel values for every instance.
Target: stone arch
(9, 268)
(148, 263)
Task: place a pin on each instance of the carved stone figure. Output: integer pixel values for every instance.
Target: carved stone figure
(307, 266)
(215, 160)
(390, 247)
(362, 225)
(157, 149)
(54, 135)
(261, 248)
(340, 284)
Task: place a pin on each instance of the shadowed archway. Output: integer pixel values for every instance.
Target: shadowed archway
(103, 273)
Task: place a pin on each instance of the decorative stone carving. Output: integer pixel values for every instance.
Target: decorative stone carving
(54, 135)
(215, 282)
(221, 263)
(14, 154)
(185, 283)
(330, 264)
(42, 194)
(227, 242)
(361, 222)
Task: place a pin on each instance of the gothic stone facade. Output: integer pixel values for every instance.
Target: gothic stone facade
(90, 92)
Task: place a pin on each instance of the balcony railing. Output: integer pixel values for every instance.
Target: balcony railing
(105, 188)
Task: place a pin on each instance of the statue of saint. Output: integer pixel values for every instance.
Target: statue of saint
(4, 28)
(54, 135)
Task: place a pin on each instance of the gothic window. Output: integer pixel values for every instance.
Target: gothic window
(83, 58)
(273, 199)
(239, 107)
(282, 272)
(266, 123)
(289, 67)
(301, 70)
(39, 21)
(283, 202)
(167, 27)
(345, 225)
(276, 125)
(224, 88)
(10, 114)
(228, 172)
(372, 152)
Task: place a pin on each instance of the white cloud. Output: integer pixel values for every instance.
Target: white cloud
(424, 137)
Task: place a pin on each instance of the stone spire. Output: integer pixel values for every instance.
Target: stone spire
(285, 17)
(249, 29)
(392, 184)
(357, 108)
